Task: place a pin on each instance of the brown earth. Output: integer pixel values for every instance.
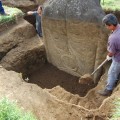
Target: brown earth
(56, 103)
(56, 82)
(49, 77)
(67, 88)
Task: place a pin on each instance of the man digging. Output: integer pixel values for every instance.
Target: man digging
(113, 47)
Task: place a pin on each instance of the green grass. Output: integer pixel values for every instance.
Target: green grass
(116, 111)
(111, 4)
(10, 111)
(13, 12)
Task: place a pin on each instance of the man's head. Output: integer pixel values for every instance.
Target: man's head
(111, 21)
(39, 9)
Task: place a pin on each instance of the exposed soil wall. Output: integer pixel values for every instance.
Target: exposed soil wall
(21, 49)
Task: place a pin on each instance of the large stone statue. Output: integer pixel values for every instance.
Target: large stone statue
(73, 34)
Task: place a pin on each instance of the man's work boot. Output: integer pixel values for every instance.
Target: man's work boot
(105, 92)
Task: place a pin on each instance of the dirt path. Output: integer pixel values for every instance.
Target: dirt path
(49, 77)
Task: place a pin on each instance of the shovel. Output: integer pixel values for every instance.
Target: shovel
(88, 77)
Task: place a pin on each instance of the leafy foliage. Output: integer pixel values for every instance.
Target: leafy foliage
(111, 4)
(10, 111)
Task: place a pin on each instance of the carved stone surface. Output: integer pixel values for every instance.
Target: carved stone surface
(74, 39)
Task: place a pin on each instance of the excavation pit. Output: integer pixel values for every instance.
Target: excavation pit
(48, 76)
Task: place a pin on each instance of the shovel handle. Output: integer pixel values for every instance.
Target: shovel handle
(100, 66)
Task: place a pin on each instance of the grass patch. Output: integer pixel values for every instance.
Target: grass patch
(10, 111)
(110, 4)
(116, 111)
(13, 13)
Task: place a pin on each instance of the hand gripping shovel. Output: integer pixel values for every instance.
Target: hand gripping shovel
(88, 77)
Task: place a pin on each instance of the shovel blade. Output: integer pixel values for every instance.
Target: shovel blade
(85, 79)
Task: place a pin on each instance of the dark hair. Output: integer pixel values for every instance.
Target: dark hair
(110, 19)
(40, 7)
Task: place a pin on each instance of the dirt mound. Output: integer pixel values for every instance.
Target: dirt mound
(91, 101)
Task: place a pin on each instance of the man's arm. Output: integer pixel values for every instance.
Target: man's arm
(30, 13)
(110, 54)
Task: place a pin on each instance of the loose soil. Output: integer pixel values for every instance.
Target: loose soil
(49, 77)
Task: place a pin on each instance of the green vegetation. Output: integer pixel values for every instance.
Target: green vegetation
(111, 4)
(13, 13)
(10, 111)
(116, 111)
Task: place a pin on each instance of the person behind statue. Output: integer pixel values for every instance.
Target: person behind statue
(113, 47)
(2, 11)
(38, 15)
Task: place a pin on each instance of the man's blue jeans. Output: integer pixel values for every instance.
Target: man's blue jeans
(113, 74)
(1, 9)
(39, 29)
